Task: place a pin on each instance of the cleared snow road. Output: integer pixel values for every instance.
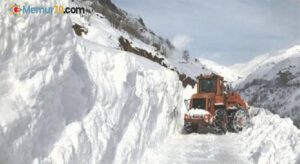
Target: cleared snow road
(268, 139)
(199, 148)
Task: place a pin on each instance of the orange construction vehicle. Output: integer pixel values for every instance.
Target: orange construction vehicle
(214, 108)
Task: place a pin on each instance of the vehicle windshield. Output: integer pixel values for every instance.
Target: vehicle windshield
(207, 86)
(198, 103)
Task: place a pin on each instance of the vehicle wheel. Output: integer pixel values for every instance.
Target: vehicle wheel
(221, 121)
(238, 120)
(187, 128)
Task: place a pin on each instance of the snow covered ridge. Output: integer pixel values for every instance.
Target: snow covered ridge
(264, 60)
(229, 74)
(100, 28)
(104, 13)
(275, 83)
(131, 24)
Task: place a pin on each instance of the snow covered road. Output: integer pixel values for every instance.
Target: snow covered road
(199, 148)
(268, 139)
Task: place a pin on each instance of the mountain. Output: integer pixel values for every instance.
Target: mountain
(264, 60)
(78, 89)
(228, 73)
(272, 81)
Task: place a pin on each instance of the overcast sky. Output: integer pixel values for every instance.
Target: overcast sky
(226, 31)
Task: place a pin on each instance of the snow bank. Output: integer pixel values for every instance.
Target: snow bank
(270, 139)
(133, 110)
(67, 100)
(37, 76)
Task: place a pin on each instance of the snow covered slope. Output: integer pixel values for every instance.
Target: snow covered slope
(274, 83)
(266, 60)
(226, 72)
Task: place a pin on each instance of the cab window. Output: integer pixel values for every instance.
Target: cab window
(198, 103)
(207, 86)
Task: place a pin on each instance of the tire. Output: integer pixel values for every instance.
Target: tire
(187, 128)
(221, 121)
(238, 120)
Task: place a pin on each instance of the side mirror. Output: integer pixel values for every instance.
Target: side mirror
(187, 103)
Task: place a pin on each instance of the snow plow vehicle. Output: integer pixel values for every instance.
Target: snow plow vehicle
(215, 109)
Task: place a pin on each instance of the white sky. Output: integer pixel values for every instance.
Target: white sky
(226, 31)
